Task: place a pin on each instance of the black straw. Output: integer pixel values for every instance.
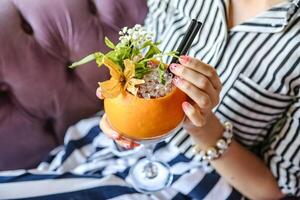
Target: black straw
(188, 39)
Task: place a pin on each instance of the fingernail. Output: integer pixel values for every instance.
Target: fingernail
(115, 136)
(184, 59)
(177, 81)
(98, 94)
(136, 145)
(128, 146)
(173, 67)
(186, 106)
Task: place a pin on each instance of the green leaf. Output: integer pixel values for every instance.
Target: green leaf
(147, 44)
(172, 54)
(141, 70)
(119, 55)
(141, 74)
(115, 57)
(85, 60)
(158, 43)
(135, 52)
(143, 61)
(125, 52)
(99, 58)
(109, 43)
(153, 50)
(161, 71)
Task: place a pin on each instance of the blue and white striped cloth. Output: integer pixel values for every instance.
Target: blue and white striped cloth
(88, 166)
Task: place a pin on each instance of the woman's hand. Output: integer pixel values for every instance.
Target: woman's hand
(111, 133)
(118, 138)
(202, 84)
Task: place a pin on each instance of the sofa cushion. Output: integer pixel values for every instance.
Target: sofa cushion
(39, 96)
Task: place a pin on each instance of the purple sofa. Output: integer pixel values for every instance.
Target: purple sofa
(39, 96)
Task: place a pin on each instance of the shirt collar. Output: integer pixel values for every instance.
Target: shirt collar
(273, 20)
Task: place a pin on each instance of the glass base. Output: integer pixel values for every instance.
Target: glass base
(149, 179)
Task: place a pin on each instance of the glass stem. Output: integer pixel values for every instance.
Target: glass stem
(149, 151)
(150, 169)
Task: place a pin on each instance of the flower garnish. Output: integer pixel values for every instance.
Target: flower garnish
(119, 81)
(129, 74)
(128, 61)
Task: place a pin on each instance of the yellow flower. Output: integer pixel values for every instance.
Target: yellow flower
(119, 81)
(129, 73)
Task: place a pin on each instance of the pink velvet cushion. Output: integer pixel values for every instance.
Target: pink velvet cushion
(39, 96)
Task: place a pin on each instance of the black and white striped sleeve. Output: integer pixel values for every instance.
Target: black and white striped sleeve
(283, 155)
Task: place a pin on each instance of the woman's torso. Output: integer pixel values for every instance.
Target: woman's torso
(257, 61)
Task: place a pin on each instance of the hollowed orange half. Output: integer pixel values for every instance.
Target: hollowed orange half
(142, 119)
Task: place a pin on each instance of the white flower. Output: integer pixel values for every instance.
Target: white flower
(125, 29)
(143, 32)
(138, 26)
(136, 35)
(124, 39)
(130, 31)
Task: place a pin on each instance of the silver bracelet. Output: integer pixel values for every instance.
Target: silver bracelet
(221, 146)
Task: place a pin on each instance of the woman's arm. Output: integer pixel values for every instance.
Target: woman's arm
(241, 168)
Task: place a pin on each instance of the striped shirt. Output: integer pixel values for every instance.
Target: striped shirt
(258, 62)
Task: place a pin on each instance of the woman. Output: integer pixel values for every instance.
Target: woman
(244, 67)
(253, 48)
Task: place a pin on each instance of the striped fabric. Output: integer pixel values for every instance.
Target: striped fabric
(259, 65)
(89, 166)
(258, 62)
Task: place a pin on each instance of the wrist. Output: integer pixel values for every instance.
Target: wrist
(208, 135)
(215, 151)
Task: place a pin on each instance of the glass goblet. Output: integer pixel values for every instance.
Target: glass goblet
(150, 175)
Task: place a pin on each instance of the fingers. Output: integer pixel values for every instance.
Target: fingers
(108, 130)
(128, 144)
(198, 96)
(197, 79)
(193, 114)
(99, 93)
(202, 68)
